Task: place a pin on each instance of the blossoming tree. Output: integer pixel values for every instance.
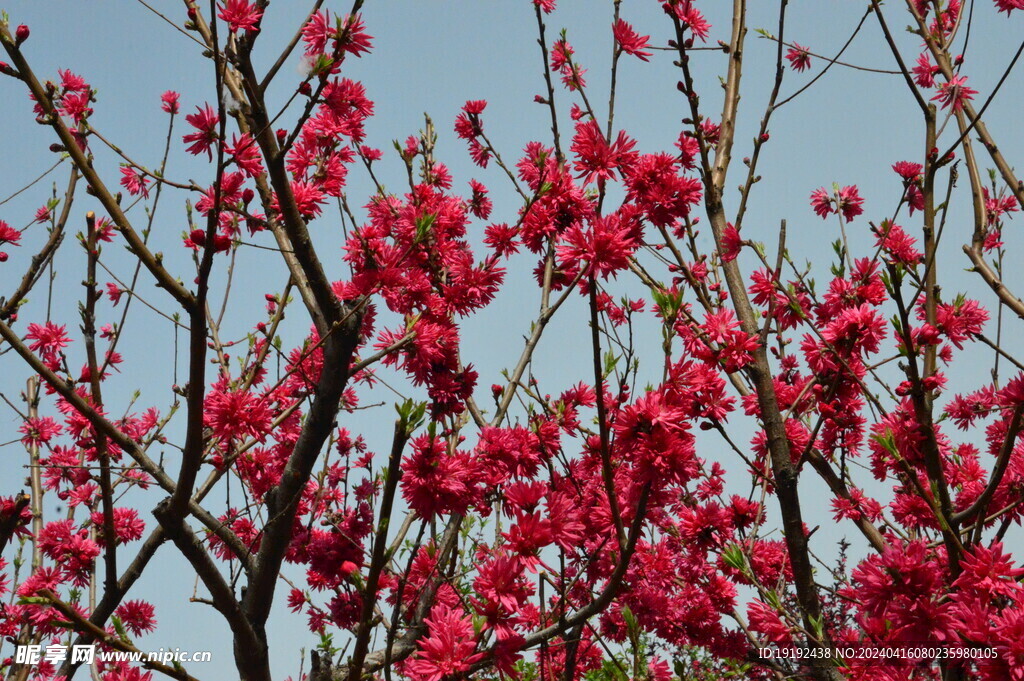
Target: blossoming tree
(509, 531)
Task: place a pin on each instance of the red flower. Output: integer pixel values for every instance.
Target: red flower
(850, 202)
(731, 243)
(8, 234)
(348, 34)
(596, 158)
(39, 431)
(246, 154)
(959, 321)
(924, 72)
(766, 621)
(48, 339)
(434, 481)
(909, 171)
(798, 57)
(1009, 5)
(236, 414)
(241, 15)
(169, 101)
(996, 207)
(606, 246)
(629, 41)
(128, 526)
(448, 650)
(205, 122)
(899, 245)
(954, 93)
(821, 202)
(137, 616)
(308, 199)
(316, 32)
(134, 181)
(75, 105)
(72, 82)
(689, 16)
(480, 205)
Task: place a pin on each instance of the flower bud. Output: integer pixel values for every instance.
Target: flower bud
(247, 195)
(305, 89)
(20, 35)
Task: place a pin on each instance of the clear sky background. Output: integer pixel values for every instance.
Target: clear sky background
(431, 56)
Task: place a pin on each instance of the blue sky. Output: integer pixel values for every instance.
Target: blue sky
(430, 56)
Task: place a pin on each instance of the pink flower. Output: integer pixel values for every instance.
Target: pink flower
(8, 234)
(128, 526)
(353, 37)
(731, 243)
(39, 431)
(798, 57)
(850, 202)
(900, 246)
(137, 616)
(961, 320)
(821, 202)
(316, 33)
(71, 82)
(48, 339)
(996, 207)
(205, 122)
(954, 93)
(114, 292)
(909, 171)
(606, 247)
(308, 199)
(169, 101)
(348, 34)
(434, 481)
(629, 41)
(1009, 5)
(596, 158)
(448, 650)
(765, 620)
(241, 15)
(546, 6)
(134, 181)
(71, 549)
(232, 415)
(75, 105)
(924, 72)
(246, 154)
(479, 204)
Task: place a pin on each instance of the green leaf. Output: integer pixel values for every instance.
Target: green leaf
(732, 555)
(119, 628)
